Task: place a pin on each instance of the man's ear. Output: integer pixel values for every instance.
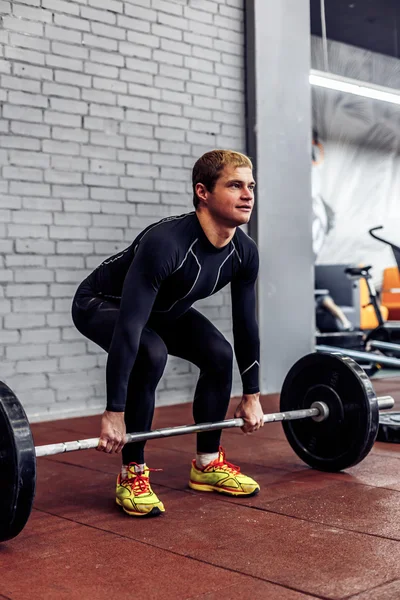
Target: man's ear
(201, 191)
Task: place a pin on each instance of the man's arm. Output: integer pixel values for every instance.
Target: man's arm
(247, 342)
(153, 262)
(245, 326)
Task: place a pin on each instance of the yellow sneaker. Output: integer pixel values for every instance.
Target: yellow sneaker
(223, 477)
(135, 495)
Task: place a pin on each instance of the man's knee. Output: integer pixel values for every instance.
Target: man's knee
(153, 355)
(220, 354)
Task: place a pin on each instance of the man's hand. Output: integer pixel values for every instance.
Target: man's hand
(113, 430)
(250, 410)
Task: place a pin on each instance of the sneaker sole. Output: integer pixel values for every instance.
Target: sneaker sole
(154, 512)
(202, 487)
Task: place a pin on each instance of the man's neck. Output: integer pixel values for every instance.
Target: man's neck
(219, 235)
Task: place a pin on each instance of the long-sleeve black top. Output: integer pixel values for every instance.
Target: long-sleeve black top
(168, 267)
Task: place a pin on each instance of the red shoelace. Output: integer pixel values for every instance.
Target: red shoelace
(223, 465)
(139, 483)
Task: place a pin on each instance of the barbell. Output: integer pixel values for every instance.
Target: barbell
(330, 415)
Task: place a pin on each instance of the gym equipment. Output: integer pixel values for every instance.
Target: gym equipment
(343, 339)
(395, 249)
(385, 331)
(389, 428)
(382, 338)
(17, 465)
(389, 424)
(394, 349)
(380, 359)
(346, 296)
(334, 282)
(348, 434)
(331, 391)
(388, 331)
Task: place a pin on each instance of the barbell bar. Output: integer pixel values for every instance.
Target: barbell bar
(51, 449)
(329, 412)
(318, 411)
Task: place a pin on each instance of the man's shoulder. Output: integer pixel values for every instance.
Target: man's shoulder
(165, 232)
(245, 242)
(167, 238)
(168, 226)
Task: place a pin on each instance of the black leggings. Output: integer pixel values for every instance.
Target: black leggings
(191, 337)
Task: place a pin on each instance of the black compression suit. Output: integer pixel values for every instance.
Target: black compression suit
(137, 306)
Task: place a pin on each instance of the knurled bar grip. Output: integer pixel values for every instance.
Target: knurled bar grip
(384, 402)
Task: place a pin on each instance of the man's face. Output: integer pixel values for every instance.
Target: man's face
(232, 199)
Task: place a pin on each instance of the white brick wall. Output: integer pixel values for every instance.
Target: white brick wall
(106, 104)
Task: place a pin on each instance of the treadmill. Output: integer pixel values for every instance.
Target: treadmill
(387, 332)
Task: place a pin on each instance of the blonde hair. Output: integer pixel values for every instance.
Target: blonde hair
(208, 168)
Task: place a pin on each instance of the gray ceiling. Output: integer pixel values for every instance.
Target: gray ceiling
(370, 24)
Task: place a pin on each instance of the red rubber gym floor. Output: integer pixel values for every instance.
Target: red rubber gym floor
(306, 535)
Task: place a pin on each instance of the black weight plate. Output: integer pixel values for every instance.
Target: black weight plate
(17, 465)
(348, 434)
(389, 428)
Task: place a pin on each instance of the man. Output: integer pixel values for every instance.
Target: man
(137, 305)
(323, 214)
(329, 316)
